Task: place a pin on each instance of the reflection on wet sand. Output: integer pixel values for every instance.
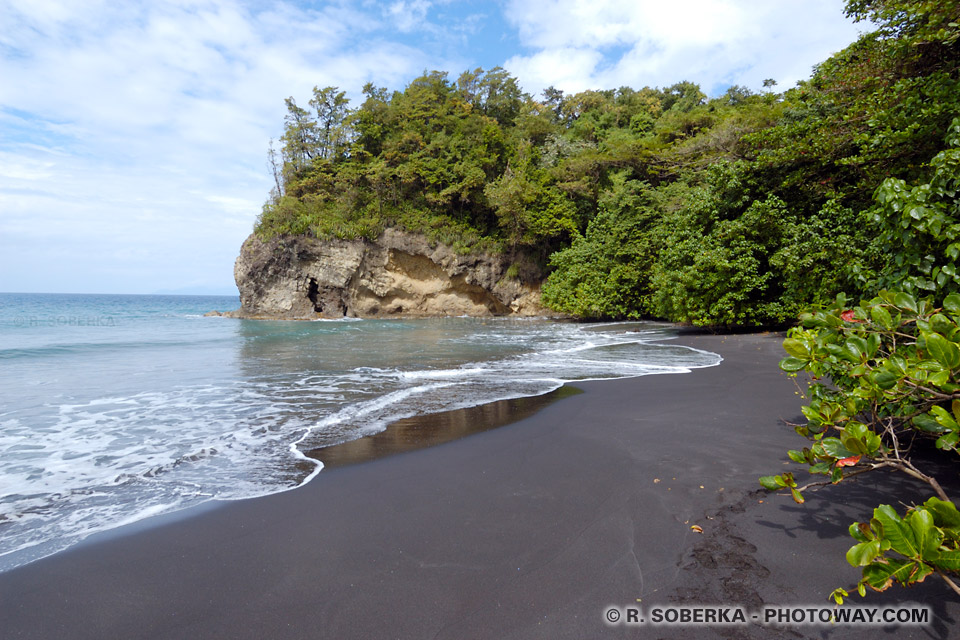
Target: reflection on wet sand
(429, 430)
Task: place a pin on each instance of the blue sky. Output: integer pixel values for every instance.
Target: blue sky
(133, 135)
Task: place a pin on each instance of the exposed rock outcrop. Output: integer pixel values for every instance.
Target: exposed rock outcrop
(401, 274)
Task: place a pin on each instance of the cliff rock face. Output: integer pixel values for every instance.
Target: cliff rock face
(401, 274)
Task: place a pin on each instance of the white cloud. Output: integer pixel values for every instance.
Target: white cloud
(570, 68)
(580, 44)
(407, 15)
(144, 125)
(23, 169)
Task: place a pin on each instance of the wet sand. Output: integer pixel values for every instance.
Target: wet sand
(530, 530)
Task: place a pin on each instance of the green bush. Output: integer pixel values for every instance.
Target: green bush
(920, 225)
(885, 373)
(605, 272)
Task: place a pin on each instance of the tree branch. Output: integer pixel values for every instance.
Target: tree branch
(938, 394)
(908, 468)
(823, 483)
(950, 583)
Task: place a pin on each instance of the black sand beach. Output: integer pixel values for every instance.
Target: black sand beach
(531, 530)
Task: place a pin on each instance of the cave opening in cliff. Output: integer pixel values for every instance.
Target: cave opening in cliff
(313, 289)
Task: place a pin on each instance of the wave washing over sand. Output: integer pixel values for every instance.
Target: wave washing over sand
(106, 423)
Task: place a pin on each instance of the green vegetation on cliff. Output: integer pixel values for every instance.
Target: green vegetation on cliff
(657, 202)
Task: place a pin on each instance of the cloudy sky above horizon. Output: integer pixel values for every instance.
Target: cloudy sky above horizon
(133, 134)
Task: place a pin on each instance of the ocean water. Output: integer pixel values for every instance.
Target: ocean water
(114, 408)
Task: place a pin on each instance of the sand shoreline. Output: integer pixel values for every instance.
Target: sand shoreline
(529, 530)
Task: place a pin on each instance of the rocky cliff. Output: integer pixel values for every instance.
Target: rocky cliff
(400, 274)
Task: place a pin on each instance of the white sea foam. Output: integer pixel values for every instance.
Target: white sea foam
(442, 373)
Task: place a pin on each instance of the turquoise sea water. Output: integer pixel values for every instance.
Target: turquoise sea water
(114, 408)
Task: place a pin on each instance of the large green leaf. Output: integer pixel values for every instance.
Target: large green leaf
(943, 325)
(899, 534)
(796, 348)
(945, 419)
(873, 344)
(770, 482)
(939, 379)
(835, 448)
(926, 422)
(926, 535)
(856, 429)
(920, 572)
(873, 443)
(884, 379)
(949, 560)
(861, 532)
(858, 346)
(820, 467)
(905, 301)
(880, 575)
(896, 363)
(881, 316)
(952, 303)
(793, 364)
(948, 441)
(945, 513)
(942, 350)
(864, 553)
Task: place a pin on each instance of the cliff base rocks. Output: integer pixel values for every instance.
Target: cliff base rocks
(401, 274)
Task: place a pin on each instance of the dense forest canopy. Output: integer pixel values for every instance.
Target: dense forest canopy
(660, 202)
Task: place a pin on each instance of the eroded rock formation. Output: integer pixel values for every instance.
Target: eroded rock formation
(399, 274)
